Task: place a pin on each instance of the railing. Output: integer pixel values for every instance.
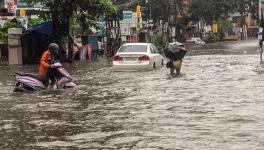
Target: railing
(3, 54)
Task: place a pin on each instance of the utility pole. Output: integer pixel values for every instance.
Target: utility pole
(261, 35)
(150, 10)
(260, 1)
(162, 19)
(170, 6)
(165, 18)
(149, 19)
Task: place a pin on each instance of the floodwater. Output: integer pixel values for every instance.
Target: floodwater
(217, 103)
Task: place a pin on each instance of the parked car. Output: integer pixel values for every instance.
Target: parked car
(137, 56)
(196, 40)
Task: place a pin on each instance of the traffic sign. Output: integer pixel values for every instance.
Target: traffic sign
(127, 16)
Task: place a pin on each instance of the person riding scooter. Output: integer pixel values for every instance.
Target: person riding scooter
(50, 69)
(45, 62)
(28, 82)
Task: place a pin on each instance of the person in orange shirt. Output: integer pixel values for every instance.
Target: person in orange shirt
(46, 59)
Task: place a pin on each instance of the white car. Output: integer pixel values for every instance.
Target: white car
(137, 56)
(197, 41)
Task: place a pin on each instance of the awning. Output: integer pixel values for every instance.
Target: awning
(45, 28)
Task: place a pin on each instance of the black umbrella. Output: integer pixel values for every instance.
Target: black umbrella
(175, 51)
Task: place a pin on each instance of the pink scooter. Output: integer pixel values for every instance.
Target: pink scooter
(27, 82)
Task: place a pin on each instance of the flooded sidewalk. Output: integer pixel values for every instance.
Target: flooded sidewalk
(225, 48)
(215, 104)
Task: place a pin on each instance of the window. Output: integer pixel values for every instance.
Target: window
(133, 48)
(156, 49)
(152, 49)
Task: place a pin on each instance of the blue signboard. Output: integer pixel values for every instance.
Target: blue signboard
(23, 4)
(127, 16)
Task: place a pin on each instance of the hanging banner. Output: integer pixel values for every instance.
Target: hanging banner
(215, 29)
(22, 12)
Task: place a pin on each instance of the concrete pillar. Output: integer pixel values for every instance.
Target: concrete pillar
(14, 46)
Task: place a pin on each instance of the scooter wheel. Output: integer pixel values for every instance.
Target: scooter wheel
(19, 89)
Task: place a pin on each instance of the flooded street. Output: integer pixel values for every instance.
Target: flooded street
(217, 103)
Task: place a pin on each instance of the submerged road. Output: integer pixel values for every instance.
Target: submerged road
(217, 103)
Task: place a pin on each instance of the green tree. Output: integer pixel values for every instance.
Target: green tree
(209, 10)
(160, 42)
(35, 21)
(244, 7)
(4, 30)
(224, 28)
(215, 9)
(86, 12)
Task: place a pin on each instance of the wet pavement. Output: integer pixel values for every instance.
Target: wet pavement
(217, 103)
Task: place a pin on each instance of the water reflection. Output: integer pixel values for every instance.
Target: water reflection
(215, 104)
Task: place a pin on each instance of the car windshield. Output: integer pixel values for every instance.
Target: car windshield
(133, 48)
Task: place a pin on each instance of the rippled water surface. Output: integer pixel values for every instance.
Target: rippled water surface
(217, 103)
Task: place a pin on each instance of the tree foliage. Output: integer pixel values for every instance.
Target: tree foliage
(87, 12)
(245, 7)
(63, 13)
(210, 9)
(35, 21)
(4, 30)
(152, 9)
(215, 9)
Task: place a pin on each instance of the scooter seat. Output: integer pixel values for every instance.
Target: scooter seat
(43, 79)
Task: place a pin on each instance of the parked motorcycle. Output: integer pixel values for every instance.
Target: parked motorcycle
(28, 82)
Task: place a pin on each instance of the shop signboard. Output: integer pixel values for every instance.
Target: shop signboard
(124, 38)
(133, 39)
(134, 20)
(125, 28)
(127, 16)
(23, 4)
(22, 12)
(10, 8)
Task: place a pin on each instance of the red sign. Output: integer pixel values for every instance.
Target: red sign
(185, 3)
(133, 39)
(10, 8)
